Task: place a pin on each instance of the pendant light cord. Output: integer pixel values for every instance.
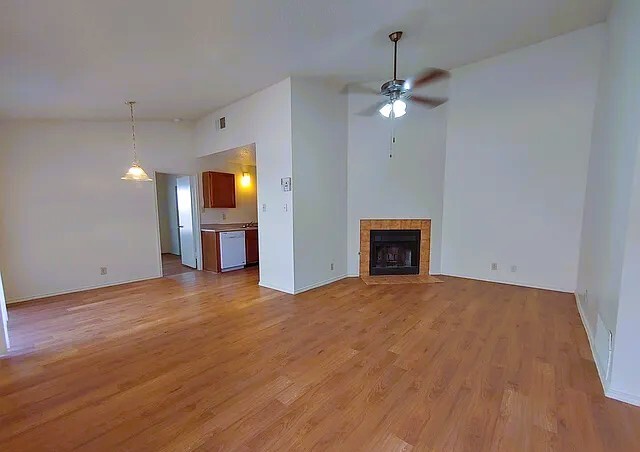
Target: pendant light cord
(133, 132)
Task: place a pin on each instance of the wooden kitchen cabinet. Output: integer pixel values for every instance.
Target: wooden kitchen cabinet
(251, 246)
(219, 189)
(210, 251)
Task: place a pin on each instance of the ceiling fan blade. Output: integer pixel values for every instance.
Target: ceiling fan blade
(359, 88)
(431, 102)
(373, 110)
(430, 75)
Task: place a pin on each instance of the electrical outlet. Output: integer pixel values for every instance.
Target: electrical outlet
(494, 266)
(264, 207)
(224, 216)
(514, 268)
(103, 271)
(331, 265)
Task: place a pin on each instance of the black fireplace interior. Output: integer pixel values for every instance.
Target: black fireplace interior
(395, 252)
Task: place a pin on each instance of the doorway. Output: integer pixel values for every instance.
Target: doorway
(229, 217)
(177, 223)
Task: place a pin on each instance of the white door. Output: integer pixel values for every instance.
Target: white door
(185, 218)
(4, 332)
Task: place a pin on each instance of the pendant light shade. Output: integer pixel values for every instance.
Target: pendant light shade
(135, 173)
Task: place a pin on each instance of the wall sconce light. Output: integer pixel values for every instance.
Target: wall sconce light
(246, 179)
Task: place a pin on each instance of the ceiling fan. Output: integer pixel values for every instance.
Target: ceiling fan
(398, 91)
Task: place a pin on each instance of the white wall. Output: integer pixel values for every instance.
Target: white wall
(319, 137)
(518, 141)
(409, 185)
(168, 213)
(64, 210)
(625, 372)
(246, 209)
(264, 119)
(610, 250)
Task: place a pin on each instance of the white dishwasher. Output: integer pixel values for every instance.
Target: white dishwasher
(232, 250)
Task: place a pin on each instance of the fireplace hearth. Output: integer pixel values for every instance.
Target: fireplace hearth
(394, 252)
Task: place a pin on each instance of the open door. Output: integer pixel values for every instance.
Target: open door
(4, 332)
(185, 217)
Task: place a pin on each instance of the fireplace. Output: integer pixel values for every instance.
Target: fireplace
(394, 252)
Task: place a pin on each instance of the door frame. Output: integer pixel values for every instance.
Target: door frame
(4, 322)
(195, 209)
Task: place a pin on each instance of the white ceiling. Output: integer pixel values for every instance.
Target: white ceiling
(184, 58)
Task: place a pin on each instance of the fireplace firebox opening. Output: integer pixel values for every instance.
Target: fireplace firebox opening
(394, 252)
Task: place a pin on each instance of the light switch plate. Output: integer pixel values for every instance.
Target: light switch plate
(286, 183)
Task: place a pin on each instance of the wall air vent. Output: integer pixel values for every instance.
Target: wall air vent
(222, 123)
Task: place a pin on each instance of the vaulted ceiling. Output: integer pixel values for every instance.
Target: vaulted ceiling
(84, 58)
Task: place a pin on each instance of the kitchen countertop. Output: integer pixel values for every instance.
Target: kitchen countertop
(226, 227)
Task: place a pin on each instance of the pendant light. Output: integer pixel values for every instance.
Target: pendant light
(135, 173)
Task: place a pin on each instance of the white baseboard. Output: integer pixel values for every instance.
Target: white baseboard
(320, 284)
(274, 287)
(510, 283)
(80, 289)
(621, 396)
(585, 323)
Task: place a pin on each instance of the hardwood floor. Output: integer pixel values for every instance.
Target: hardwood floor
(214, 362)
(172, 265)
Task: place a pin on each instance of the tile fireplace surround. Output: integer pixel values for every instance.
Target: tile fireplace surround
(425, 247)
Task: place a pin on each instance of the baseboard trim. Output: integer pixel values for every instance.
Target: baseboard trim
(614, 394)
(622, 396)
(320, 284)
(82, 289)
(591, 339)
(274, 287)
(509, 283)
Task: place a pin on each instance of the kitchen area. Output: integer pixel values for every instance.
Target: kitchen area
(227, 247)
(229, 214)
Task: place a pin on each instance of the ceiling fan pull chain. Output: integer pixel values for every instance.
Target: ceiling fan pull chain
(392, 141)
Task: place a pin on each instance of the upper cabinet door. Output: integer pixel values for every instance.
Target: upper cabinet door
(219, 189)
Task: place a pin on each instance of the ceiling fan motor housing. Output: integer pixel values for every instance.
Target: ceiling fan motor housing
(394, 89)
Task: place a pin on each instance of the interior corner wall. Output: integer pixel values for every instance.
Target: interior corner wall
(610, 246)
(408, 185)
(319, 140)
(518, 143)
(263, 118)
(64, 210)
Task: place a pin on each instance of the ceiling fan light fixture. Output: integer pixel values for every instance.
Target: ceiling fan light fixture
(399, 108)
(386, 110)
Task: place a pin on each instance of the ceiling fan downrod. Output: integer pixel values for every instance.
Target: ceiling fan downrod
(395, 37)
